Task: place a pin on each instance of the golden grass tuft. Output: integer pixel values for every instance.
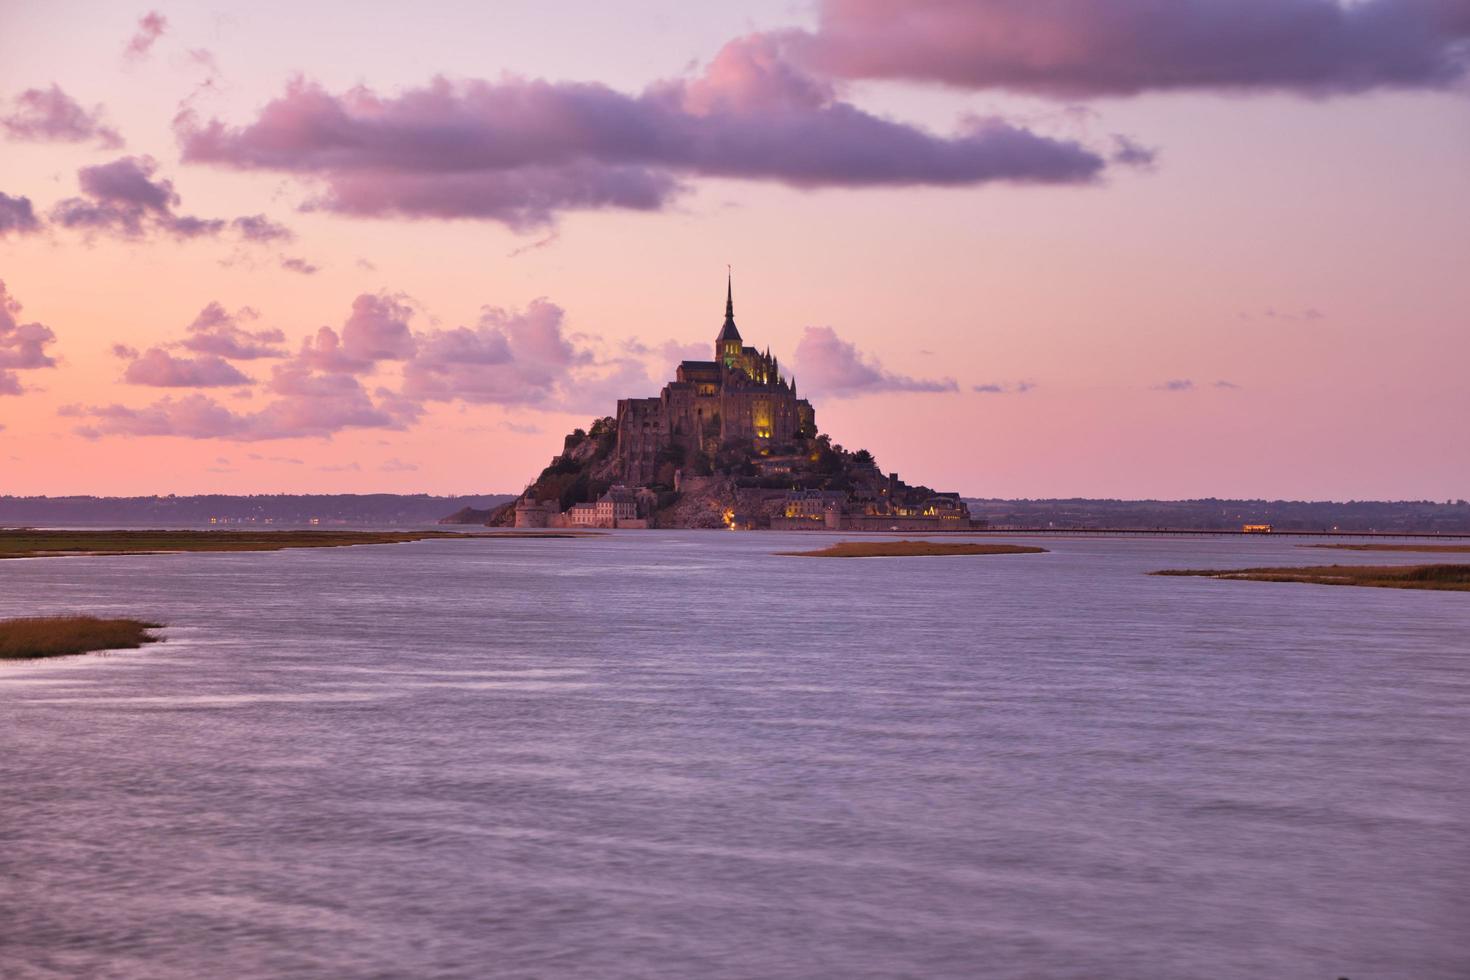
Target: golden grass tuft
(911, 549)
(34, 637)
(1439, 578)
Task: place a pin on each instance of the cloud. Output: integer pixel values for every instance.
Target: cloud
(217, 332)
(259, 228)
(521, 151)
(521, 428)
(299, 265)
(1002, 388)
(376, 330)
(510, 357)
(1307, 315)
(50, 115)
(17, 215)
(1128, 152)
(23, 346)
(1175, 384)
(832, 366)
(151, 27)
(122, 198)
(160, 369)
(127, 199)
(396, 465)
(1227, 384)
(543, 242)
(1072, 48)
(306, 405)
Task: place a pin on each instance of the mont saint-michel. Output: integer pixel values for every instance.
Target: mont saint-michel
(727, 443)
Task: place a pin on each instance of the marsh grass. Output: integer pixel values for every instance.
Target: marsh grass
(1444, 578)
(32, 638)
(911, 549)
(26, 543)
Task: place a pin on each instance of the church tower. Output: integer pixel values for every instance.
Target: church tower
(728, 343)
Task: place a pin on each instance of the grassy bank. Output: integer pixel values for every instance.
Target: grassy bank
(24, 543)
(911, 549)
(58, 636)
(1433, 549)
(1444, 578)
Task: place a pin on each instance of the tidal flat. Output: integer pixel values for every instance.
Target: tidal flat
(37, 637)
(910, 549)
(1439, 578)
(28, 543)
(1428, 549)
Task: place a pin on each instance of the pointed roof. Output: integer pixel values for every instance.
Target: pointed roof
(728, 331)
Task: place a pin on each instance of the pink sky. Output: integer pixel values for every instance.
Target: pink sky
(1013, 249)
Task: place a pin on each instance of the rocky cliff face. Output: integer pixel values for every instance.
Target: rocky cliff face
(740, 481)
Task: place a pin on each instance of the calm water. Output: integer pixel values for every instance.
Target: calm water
(670, 754)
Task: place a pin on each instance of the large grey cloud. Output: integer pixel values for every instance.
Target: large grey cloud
(1072, 48)
(520, 151)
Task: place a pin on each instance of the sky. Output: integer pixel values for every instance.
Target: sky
(1014, 248)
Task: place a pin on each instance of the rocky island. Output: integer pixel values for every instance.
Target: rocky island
(727, 443)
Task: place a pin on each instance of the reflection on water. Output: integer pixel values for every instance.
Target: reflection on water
(672, 754)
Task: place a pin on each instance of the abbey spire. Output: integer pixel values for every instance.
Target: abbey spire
(728, 343)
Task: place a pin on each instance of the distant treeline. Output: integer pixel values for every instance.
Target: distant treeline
(228, 509)
(1423, 516)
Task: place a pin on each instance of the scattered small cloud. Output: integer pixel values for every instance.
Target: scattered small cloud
(215, 331)
(1306, 316)
(835, 367)
(17, 216)
(521, 428)
(1175, 384)
(1226, 384)
(299, 265)
(123, 198)
(1004, 388)
(341, 468)
(259, 228)
(45, 115)
(396, 465)
(539, 243)
(23, 346)
(1129, 152)
(158, 368)
(151, 26)
(128, 199)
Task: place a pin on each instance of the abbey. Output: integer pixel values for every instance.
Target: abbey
(740, 395)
